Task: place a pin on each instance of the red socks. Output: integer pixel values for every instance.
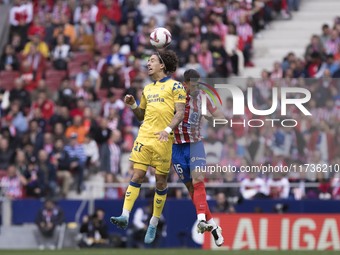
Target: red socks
(200, 200)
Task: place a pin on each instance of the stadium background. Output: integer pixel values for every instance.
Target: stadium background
(45, 98)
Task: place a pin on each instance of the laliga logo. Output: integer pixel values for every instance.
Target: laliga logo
(239, 103)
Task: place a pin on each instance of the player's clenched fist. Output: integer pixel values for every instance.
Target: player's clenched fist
(129, 99)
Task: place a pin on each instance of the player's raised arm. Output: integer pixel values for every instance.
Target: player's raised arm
(139, 112)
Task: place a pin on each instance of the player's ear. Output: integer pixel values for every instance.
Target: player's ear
(162, 67)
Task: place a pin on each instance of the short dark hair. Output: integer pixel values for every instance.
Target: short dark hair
(169, 59)
(191, 75)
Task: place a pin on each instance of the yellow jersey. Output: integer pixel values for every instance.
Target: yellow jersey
(158, 100)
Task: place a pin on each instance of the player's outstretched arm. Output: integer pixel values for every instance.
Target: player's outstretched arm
(139, 113)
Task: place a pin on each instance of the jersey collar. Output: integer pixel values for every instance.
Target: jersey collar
(162, 80)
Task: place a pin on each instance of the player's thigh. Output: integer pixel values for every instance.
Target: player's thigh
(197, 160)
(141, 155)
(180, 162)
(161, 156)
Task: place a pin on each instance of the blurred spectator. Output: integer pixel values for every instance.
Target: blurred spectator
(20, 15)
(101, 133)
(12, 184)
(326, 33)
(41, 9)
(92, 153)
(222, 205)
(112, 192)
(6, 153)
(213, 147)
(4, 101)
(130, 11)
(17, 118)
(253, 187)
(314, 46)
(40, 46)
(62, 115)
(205, 58)
(114, 102)
(60, 8)
(94, 230)
(35, 180)
(78, 160)
(36, 28)
(104, 32)
(48, 171)
(86, 13)
(84, 40)
(77, 128)
(18, 93)
(17, 42)
(194, 64)
(115, 58)
(66, 29)
(9, 60)
(125, 38)
(278, 186)
(61, 160)
(155, 9)
(110, 153)
(111, 79)
(45, 104)
(325, 189)
(48, 221)
(66, 93)
(88, 73)
(245, 33)
(111, 10)
(332, 44)
(20, 161)
(60, 54)
(35, 135)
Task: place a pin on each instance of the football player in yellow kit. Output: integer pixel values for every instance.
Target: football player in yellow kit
(161, 109)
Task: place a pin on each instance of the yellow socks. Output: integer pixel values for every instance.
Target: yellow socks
(158, 202)
(131, 195)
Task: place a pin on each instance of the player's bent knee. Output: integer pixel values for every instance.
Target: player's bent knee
(138, 176)
(161, 182)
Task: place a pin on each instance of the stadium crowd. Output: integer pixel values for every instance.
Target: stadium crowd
(68, 63)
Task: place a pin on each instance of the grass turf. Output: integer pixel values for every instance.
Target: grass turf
(160, 251)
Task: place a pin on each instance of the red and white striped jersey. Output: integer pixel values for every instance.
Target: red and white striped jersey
(188, 131)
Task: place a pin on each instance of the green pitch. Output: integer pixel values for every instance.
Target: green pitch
(160, 251)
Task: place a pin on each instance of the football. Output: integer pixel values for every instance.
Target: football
(160, 37)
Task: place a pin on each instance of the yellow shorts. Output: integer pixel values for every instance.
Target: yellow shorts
(151, 152)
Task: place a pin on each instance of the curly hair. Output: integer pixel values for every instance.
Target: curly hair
(169, 59)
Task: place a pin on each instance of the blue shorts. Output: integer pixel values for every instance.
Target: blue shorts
(187, 157)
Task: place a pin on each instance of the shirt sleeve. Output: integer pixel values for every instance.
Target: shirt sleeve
(211, 105)
(142, 104)
(179, 93)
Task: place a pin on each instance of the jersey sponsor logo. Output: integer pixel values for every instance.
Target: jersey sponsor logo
(193, 159)
(128, 193)
(158, 201)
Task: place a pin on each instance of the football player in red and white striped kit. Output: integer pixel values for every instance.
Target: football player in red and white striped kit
(188, 155)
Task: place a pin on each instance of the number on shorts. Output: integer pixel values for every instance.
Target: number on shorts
(179, 170)
(138, 147)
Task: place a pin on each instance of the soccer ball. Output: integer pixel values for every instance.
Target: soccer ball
(160, 37)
